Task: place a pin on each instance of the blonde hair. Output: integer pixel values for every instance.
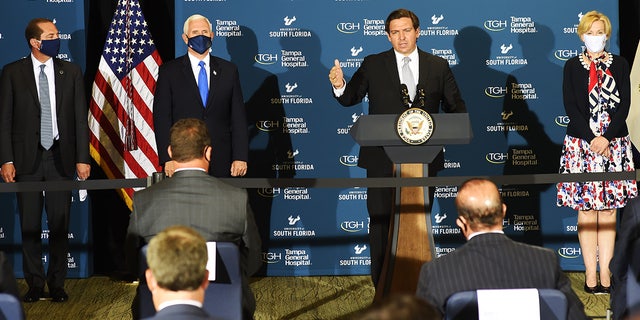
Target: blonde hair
(185, 28)
(589, 18)
(177, 257)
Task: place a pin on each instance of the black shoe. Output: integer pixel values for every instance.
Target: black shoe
(33, 295)
(592, 290)
(600, 289)
(58, 295)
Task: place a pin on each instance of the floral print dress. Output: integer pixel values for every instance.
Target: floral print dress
(578, 158)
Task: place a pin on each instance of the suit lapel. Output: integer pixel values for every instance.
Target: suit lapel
(422, 73)
(188, 76)
(30, 81)
(59, 76)
(214, 75)
(391, 67)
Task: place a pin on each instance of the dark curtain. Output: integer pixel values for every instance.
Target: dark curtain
(629, 28)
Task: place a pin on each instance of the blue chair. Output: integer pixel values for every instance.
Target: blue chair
(10, 307)
(223, 297)
(464, 305)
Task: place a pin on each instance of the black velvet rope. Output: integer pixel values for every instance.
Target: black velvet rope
(524, 179)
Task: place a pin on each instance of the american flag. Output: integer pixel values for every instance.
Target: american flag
(121, 107)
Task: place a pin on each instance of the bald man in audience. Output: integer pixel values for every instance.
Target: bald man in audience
(177, 275)
(489, 259)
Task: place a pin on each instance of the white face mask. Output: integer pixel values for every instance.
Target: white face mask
(594, 43)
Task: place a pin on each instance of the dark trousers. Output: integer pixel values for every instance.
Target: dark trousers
(57, 205)
(380, 204)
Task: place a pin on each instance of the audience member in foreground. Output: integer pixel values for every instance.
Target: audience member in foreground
(489, 259)
(191, 197)
(177, 274)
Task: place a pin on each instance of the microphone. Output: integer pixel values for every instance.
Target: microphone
(420, 97)
(406, 101)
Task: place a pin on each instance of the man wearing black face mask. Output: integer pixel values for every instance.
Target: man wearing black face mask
(218, 211)
(200, 85)
(43, 137)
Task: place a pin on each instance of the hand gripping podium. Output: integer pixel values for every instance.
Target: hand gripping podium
(411, 242)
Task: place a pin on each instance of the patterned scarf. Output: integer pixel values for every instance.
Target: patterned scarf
(603, 94)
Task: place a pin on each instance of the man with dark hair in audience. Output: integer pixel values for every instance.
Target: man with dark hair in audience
(489, 259)
(191, 197)
(177, 275)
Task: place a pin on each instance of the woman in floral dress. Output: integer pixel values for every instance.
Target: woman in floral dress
(596, 93)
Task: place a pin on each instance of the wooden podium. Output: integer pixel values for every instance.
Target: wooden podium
(411, 242)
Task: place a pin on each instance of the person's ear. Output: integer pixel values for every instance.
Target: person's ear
(169, 152)
(462, 224)
(151, 280)
(34, 42)
(205, 281)
(504, 210)
(185, 38)
(207, 153)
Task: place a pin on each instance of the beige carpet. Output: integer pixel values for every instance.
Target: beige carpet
(324, 297)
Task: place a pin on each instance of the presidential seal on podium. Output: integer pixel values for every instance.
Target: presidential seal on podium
(415, 126)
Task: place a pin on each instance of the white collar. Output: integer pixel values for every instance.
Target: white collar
(483, 232)
(179, 301)
(413, 56)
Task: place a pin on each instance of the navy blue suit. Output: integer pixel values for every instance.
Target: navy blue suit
(177, 97)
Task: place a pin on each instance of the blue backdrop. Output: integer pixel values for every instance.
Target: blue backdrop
(507, 58)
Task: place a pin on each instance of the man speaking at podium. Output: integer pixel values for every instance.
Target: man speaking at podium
(383, 78)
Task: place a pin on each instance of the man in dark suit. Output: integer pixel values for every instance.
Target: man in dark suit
(381, 77)
(625, 259)
(218, 211)
(44, 136)
(177, 275)
(489, 259)
(210, 92)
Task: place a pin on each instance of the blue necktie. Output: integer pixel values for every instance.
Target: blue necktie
(203, 86)
(46, 128)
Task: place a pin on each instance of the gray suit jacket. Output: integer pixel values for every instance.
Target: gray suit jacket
(493, 261)
(218, 211)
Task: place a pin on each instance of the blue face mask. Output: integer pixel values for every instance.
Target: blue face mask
(199, 44)
(50, 47)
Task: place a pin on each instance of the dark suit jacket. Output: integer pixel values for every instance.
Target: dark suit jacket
(378, 77)
(177, 97)
(623, 253)
(182, 312)
(20, 116)
(493, 261)
(218, 211)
